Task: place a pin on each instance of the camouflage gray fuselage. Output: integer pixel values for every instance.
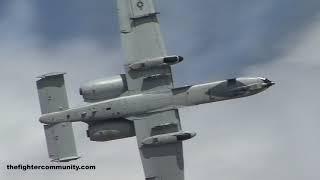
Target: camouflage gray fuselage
(131, 106)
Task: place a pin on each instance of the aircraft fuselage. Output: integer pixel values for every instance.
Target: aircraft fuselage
(131, 106)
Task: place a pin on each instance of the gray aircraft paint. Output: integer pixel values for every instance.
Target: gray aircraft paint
(135, 105)
(59, 136)
(143, 102)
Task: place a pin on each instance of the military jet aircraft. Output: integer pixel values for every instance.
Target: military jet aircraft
(142, 102)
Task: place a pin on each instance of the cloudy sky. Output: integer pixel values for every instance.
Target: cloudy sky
(273, 135)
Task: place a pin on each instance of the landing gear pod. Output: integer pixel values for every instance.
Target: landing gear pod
(168, 138)
(159, 61)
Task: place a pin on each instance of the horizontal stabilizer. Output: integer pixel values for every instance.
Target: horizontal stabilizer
(53, 97)
(60, 142)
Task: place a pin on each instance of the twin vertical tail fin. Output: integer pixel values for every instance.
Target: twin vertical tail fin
(53, 97)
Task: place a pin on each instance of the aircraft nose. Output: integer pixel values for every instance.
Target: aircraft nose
(193, 134)
(180, 58)
(268, 82)
(272, 83)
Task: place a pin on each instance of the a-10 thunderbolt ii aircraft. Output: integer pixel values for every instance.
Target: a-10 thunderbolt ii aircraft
(142, 102)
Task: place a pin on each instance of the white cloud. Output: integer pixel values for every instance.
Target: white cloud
(272, 135)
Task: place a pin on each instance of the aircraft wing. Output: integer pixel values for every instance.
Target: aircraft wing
(161, 162)
(141, 39)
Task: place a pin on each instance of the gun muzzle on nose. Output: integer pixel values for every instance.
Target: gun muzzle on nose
(268, 83)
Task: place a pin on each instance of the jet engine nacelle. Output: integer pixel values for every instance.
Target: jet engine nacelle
(111, 130)
(103, 89)
(159, 61)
